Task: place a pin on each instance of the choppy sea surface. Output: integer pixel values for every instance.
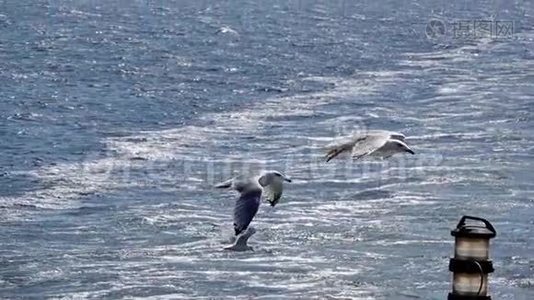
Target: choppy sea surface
(117, 117)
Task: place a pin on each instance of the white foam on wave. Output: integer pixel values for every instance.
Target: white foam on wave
(211, 142)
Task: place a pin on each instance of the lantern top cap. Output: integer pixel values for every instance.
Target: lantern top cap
(463, 230)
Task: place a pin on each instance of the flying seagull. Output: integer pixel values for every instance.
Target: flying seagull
(379, 143)
(250, 190)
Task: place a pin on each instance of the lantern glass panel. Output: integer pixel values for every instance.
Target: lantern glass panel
(469, 284)
(472, 248)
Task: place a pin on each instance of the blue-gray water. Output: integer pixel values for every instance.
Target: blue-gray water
(116, 116)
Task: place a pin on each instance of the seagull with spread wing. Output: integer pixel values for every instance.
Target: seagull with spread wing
(270, 183)
(378, 143)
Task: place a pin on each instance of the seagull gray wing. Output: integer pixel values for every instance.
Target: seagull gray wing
(343, 146)
(392, 134)
(397, 136)
(246, 208)
(368, 144)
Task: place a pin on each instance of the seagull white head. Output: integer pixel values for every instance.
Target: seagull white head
(270, 176)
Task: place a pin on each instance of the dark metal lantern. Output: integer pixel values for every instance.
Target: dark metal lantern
(471, 264)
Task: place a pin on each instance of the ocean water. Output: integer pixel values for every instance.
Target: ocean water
(117, 117)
